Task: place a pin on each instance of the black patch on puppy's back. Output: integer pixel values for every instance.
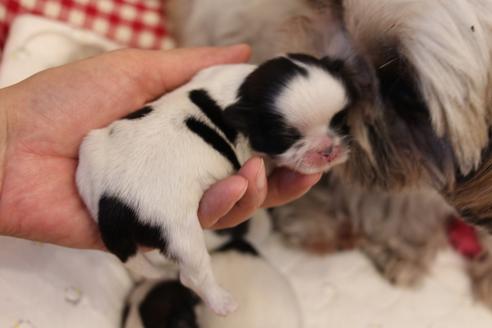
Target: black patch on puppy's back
(213, 111)
(169, 304)
(142, 112)
(214, 139)
(122, 231)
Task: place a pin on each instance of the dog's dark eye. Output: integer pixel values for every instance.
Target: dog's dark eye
(339, 121)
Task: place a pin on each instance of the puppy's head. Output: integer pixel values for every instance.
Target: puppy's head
(289, 108)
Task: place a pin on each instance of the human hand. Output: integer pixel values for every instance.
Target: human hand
(46, 116)
(248, 190)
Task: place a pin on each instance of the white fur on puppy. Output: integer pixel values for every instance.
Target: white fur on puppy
(143, 176)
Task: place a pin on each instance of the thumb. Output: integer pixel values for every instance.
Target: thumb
(159, 72)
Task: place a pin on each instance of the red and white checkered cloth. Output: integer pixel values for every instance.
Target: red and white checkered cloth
(134, 23)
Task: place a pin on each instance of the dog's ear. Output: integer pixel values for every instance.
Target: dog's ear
(238, 116)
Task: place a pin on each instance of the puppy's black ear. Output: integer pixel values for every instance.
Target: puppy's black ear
(238, 116)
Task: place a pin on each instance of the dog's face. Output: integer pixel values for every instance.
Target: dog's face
(289, 108)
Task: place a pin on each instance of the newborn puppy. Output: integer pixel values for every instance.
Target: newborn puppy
(267, 298)
(143, 176)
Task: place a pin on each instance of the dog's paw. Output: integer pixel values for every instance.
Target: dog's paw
(215, 297)
(220, 301)
(403, 273)
(399, 270)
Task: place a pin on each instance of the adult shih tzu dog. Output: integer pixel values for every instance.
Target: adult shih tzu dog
(424, 69)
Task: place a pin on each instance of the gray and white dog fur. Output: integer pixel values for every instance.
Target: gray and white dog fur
(428, 64)
(143, 176)
(400, 233)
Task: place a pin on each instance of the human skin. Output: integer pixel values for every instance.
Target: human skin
(45, 117)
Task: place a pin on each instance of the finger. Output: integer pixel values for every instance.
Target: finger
(285, 185)
(220, 198)
(254, 172)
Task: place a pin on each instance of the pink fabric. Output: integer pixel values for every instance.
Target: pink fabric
(134, 23)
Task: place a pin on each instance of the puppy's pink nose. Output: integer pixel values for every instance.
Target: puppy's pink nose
(325, 146)
(327, 151)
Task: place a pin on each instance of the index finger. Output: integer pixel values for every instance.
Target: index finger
(285, 186)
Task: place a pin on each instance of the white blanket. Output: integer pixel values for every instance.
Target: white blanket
(48, 286)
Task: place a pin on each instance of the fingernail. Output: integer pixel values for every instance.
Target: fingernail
(318, 177)
(244, 188)
(260, 176)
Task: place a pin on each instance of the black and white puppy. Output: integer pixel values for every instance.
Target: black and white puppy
(142, 177)
(267, 298)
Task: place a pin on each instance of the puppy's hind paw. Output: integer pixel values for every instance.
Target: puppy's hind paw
(221, 302)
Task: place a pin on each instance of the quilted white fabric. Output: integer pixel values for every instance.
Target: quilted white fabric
(344, 290)
(54, 287)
